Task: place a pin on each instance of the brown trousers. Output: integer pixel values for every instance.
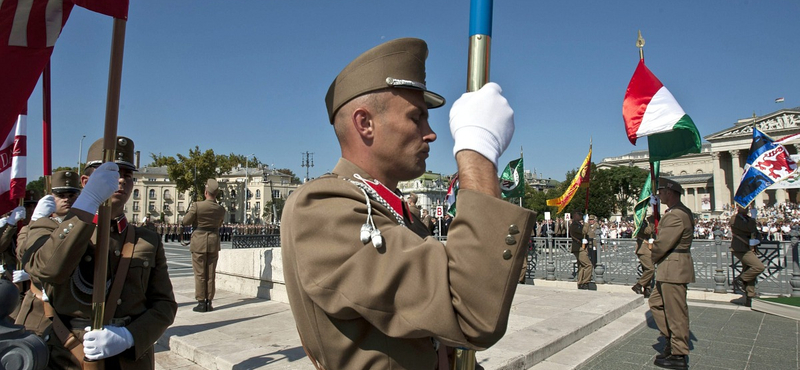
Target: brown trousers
(584, 267)
(647, 269)
(751, 268)
(205, 269)
(671, 314)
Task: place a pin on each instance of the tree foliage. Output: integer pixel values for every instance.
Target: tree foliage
(295, 179)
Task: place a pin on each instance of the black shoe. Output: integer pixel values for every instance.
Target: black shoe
(748, 301)
(647, 292)
(637, 288)
(209, 308)
(738, 284)
(672, 362)
(201, 307)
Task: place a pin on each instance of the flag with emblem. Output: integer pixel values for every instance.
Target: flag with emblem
(450, 198)
(768, 162)
(512, 184)
(581, 179)
(649, 109)
(28, 32)
(12, 165)
(640, 209)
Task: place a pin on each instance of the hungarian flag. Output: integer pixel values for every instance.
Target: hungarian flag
(512, 184)
(450, 198)
(12, 165)
(640, 209)
(649, 109)
(581, 179)
(767, 163)
(28, 32)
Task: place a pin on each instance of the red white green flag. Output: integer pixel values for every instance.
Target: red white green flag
(649, 109)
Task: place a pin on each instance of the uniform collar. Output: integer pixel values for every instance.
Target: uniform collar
(118, 224)
(394, 198)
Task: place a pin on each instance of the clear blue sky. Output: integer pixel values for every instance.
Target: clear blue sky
(250, 76)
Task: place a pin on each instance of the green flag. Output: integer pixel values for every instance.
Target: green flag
(512, 181)
(640, 209)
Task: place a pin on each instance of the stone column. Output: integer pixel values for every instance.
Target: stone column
(721, 195)
(736, 166)
(696, 201)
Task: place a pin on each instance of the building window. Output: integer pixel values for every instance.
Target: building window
(276, 194)
(699, 172)
(247, 206)
(258, 193)
(684, 173)
(258, 206)
(180, 207)
(181, 196)
(166, 195)
(135, 207)
(152, 194)
(233, 193)
(152, 206)
(136, 194)
(249, 194)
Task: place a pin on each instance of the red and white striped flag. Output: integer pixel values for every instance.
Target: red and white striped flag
(13, 154)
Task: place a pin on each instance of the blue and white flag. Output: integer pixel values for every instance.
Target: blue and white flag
(767, 163)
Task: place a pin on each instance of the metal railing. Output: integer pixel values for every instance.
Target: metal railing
(256, 241)
(715, 266)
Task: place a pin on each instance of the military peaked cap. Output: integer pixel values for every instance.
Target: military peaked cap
(212, 186)
(123, 157)
(664, 183)
(398, 63)
(66, 182)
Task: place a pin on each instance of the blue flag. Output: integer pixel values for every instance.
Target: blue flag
(767, 163)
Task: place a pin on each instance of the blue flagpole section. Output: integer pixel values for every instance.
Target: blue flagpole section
(480, 17)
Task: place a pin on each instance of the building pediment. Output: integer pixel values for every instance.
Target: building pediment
(775, 124)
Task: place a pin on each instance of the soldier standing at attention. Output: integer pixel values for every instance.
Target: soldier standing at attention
(352, 224)
(62, 260)
(580, 248)
(590, 233)
(206, 218)
(743, 245)
(675, 270)
(644, 242)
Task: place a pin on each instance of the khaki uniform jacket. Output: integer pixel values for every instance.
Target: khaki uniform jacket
(359, 307)
(590, 232)
(147, 298)
(206, 218)
(576, 234)
(743, 227)
(642, 238)
(672, 249)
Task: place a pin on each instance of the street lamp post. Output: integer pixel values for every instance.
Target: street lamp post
(246, 175)
(80, 153)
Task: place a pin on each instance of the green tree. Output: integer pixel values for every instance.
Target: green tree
(278, 209)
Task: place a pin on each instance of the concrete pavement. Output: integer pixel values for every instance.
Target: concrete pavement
(552, 326)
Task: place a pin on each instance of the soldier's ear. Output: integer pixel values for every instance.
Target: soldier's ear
(363, 122)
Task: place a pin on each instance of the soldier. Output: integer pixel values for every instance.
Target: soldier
(205, 217)
(412, 204)
(8, 232)
(644, 243)
(745, 241)
(420, 295)
(140, 303)
(427, 220)
(590, 233)
(672, 255)
(580, 248)
(65, 188)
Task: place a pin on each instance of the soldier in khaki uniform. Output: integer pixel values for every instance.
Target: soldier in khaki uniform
(672, 255)
(61, 258)
(65, 188)
(206, 218)
(581, 250)
(590, 230)
(8, 232)
(644, 242)
(745, 240)
(367, 287)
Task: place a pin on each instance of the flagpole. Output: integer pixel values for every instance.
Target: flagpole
(109, 148)
(586, 207)
(523, 177)
(653, 174)
(480, 39)
(47, 146)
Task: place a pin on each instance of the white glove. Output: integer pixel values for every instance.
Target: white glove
(102, 184)
(653, 200)
(18, 214)
(20, 276)
(482, 121)
(754, 242)
(584, 241)
(111, 341)
(2, 269)
(45, 207)
(651, 240)
(3, 221)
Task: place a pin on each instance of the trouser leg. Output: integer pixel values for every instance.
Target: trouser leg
(752, 267)
(656, 304)
(584, 267)
(676, 312)
(211, 275)
(647, 270)
(200, 282)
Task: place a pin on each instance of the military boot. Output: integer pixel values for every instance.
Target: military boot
(667, 351)
(201, 307)
(679, 362)
(637, 288)
(209, 308)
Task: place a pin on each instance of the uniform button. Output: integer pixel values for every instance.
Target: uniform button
(119, 301)
(510, 240)
(513, 229)
(88, 258)
(116, 253)
(61, 236)
(145, 264)
(47, 337)
(70, 226)
(66, 231)
(507, 254)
